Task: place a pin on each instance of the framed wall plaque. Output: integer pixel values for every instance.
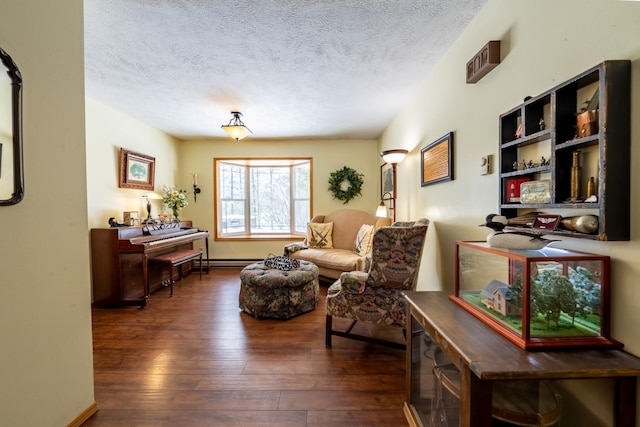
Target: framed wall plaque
(136, 170)
(437, 161)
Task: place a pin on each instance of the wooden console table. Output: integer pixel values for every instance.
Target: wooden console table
(484, 356)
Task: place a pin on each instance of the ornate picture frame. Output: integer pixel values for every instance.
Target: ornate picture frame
(136, 170)
(436, 160)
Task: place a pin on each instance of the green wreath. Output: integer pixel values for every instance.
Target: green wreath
(337, 178)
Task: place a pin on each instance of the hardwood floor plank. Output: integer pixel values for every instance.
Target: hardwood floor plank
(190, 400)
(300, 382)
(340, 400)
(116, 381)
(195, 359)
(383, 418)
(177, 418)
(324, 367)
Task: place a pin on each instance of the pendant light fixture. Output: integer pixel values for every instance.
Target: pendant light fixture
(236, 129)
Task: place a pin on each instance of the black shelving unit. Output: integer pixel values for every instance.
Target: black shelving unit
(605, 154)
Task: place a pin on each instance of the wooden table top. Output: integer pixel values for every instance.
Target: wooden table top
(491, 356)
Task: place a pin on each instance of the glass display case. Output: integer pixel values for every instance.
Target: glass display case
(538, 299)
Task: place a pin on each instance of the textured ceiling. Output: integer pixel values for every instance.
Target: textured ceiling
(294, 68)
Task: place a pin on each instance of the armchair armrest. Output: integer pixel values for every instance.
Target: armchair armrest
(294, 247)
(353, 281)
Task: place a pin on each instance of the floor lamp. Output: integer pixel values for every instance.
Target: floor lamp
(393, 157)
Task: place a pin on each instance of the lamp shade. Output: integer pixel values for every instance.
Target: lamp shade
(236, 132)
(153, 196)
(381, 212)
(236, 128)
(394, 156)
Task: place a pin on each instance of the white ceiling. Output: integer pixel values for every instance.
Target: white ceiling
(294, 68)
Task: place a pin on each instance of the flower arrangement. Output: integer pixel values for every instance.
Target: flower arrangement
(174, 198)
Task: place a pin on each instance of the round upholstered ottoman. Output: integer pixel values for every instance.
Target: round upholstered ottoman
(268, 292)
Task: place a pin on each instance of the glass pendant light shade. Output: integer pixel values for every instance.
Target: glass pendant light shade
(236, 129)
(236, 132)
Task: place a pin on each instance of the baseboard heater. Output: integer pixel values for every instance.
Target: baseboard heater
(210, 263)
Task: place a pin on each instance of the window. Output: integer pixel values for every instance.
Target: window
(262, 198)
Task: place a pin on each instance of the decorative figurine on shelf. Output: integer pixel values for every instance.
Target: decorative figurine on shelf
(542, 124)
(520, 131)
(114, 223)
(587, 224)
(524, 164)
(515, 165)
(576, 177)
(512, 239)
(544, 162)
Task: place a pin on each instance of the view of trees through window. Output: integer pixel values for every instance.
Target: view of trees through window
(262, 196)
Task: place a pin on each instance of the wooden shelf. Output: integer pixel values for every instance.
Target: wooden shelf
(547, 124)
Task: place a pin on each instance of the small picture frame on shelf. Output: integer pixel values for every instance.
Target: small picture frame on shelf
(130, 218)
(536, 192)
(512, 189)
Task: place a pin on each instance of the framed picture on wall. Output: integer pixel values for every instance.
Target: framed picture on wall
(136, 170)
(437, 161)
(386, 180)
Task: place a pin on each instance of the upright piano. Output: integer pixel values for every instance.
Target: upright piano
(120, 269)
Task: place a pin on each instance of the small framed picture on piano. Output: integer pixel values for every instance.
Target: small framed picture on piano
(136, 170)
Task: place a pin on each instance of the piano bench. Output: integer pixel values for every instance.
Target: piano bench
(176, 259)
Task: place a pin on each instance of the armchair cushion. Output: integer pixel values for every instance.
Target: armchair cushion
(370, 304)
(396, 256)
(363, 240)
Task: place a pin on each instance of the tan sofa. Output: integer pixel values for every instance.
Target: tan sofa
(332, 262)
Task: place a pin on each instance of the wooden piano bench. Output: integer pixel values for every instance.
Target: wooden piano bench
(177, 259)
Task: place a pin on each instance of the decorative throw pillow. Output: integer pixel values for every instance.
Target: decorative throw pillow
(363, 240)
(320, 235)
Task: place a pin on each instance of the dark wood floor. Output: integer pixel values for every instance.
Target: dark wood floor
(195, 360)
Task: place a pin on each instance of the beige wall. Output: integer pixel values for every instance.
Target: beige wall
(544, 43)
(46, 372)
(328, 156)
(107, 131)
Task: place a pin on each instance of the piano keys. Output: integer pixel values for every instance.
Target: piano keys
(121, 272)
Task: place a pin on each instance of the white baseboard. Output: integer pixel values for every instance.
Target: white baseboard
(228, 262)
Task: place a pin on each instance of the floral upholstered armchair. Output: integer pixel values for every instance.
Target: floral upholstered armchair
(376, 296)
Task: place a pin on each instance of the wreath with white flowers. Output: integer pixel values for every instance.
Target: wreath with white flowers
(345, 184)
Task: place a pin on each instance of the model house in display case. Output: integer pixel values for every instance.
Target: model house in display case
(538, 299)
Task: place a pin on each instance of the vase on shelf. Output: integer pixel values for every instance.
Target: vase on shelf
(176, 211)
(576, 172)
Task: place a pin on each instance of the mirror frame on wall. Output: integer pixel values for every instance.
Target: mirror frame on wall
(16, 114)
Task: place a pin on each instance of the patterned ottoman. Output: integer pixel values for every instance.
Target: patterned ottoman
(268, 292)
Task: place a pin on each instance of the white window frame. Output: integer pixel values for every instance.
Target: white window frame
(251, 163)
